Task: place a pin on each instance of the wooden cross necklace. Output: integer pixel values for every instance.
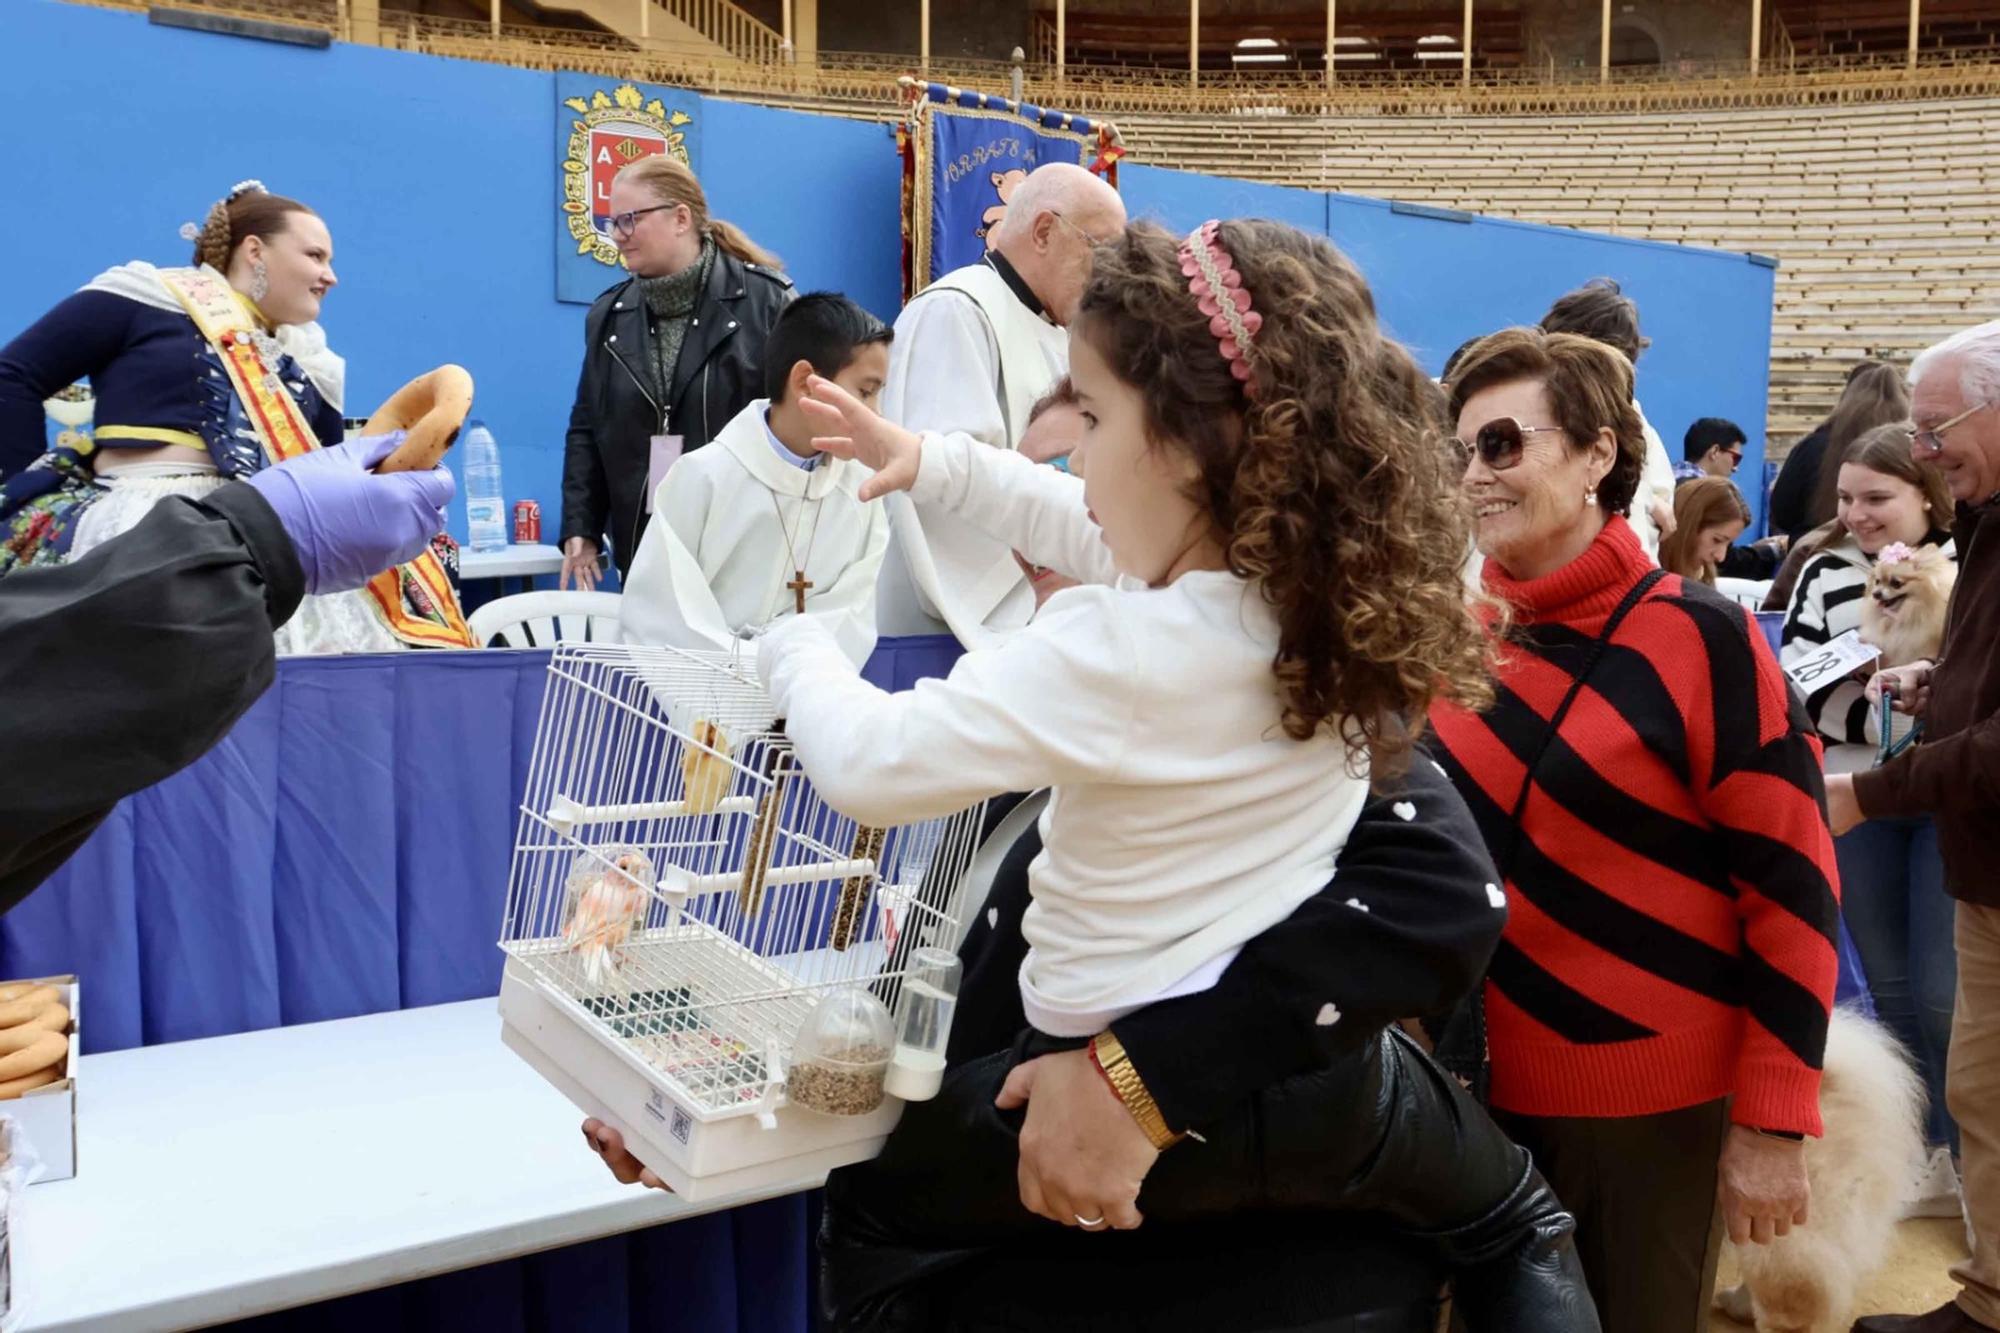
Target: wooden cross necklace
(799, 583)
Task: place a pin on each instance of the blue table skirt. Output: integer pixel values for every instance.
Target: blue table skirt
(345, 851)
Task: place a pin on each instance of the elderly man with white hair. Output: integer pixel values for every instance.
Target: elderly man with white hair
(972, 354)
(1954, 775)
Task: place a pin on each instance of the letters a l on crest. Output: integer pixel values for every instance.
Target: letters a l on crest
(615, 129)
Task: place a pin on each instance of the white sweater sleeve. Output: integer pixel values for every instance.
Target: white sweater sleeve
(1051, 704)
(1037, 510)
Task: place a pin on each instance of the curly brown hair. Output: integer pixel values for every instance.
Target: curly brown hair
(1329, 485)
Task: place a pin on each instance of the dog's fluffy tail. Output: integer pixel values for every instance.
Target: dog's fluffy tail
(1868, 1068)
(1872, 1104)
(1800, 1284)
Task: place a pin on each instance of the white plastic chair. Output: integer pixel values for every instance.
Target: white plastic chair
(1744, 592)
(541, 619)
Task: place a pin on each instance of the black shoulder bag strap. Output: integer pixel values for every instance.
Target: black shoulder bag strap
(1459, 1039)
(1611, 623)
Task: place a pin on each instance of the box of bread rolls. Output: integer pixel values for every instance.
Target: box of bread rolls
(39, 1026)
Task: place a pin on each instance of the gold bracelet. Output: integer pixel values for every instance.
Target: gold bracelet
(1109, 1055)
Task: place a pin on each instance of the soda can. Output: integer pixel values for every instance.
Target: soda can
(527, 523)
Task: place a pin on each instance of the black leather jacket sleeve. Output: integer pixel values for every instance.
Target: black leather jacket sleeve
(586, 493)
(123, 667)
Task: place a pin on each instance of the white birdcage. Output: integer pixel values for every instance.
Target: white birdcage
(681, 900)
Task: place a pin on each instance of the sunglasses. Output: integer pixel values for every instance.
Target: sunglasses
(1499, 443)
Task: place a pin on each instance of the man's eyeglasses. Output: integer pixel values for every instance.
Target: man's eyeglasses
(1499, 443)
(1081, 234)
(623, 224)
(1929, 443)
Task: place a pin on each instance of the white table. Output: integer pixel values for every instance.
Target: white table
(513, 562)
(235, 1176)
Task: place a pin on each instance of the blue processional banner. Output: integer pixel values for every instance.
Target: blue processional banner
(964, 153)
(602, 125)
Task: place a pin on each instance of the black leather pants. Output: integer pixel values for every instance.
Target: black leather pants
(1386, 1132)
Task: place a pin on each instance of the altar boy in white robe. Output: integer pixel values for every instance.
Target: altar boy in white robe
(759, 525)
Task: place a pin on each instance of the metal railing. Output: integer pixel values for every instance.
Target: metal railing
(736, 30)
(864, 83)
(1780, 52)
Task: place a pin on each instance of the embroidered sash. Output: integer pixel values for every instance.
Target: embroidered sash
(414, 599)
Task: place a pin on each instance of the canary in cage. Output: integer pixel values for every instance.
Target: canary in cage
(605, 902)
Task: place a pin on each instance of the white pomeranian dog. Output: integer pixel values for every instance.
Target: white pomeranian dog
(1909, 599)
(1871, 1103)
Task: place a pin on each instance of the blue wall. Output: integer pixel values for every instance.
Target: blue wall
(1708, 312)
(1183, 200)
(1441, 282)
(437, 181)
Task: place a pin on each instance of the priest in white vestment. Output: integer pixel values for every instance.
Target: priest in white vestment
(973, 353)
(759, 523)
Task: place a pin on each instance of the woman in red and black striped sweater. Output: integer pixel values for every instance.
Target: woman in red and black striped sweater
(1658, 1007)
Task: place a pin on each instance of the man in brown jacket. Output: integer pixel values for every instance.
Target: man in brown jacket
(1954, 775)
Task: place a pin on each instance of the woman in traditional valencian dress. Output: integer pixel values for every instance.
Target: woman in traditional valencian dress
(202, 375)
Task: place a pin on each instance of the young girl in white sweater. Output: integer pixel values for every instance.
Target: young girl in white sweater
(1267, 582)
(1268, 535)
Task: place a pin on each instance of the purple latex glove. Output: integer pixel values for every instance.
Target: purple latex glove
(348, 523)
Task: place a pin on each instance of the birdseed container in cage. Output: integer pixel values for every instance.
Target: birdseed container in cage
(702, 952)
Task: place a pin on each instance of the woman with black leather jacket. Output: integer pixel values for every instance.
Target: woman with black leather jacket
(670, 355)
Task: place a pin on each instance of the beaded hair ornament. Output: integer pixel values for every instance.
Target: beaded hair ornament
(1219, 291)
(191, 231)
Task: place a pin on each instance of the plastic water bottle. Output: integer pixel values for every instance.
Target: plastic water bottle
(485, 505)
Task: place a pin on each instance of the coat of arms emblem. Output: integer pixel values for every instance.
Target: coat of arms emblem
(615, 129)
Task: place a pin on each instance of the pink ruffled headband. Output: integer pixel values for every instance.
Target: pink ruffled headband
(1218, 289)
